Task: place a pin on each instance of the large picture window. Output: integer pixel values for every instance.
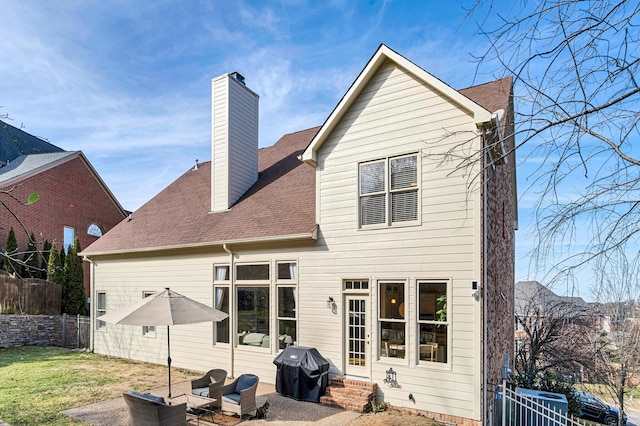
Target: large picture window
(389, 191)
(392, 324)
(253, 316)
(433, 321)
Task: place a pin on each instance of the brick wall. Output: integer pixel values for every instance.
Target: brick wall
(500, 261)
(70, 195)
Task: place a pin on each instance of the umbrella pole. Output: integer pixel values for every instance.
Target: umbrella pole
(169, 360)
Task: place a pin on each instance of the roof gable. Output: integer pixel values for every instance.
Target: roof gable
(384, 53)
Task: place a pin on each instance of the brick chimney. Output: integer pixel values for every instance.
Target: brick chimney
(234, 140)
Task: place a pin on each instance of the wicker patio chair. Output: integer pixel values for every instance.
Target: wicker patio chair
(149, 410)
(210, 385)
(240, 396)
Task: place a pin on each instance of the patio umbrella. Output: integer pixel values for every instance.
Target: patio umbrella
(164, 308)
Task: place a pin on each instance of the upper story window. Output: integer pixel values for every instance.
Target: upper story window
(94, 230)
(389, 191)
(69, 236)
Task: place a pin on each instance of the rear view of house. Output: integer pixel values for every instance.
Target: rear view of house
(384, 238)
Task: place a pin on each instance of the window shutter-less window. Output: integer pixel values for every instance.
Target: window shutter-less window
(372, 192)
(404, 189)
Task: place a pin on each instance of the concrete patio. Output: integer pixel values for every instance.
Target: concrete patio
(282, 410)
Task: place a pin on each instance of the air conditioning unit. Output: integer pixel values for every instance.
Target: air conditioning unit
(540, 408)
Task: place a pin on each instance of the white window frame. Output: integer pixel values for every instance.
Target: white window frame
(282, 333)
(101, 310)
(435, 322)
(217, 305)
(67, 244)
(217, 269)
(403, 321)
(388, 193)
(148, 330)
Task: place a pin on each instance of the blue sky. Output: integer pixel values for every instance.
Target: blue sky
(129, 83)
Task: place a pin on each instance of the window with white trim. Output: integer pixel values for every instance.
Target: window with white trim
(391, 319)
(286, 290)
(221, 273)
(94, 230)
(433, 321)
(221, 303)
(388, 191)
(253, 304)
(69, 237)
(148, 330)
(101, 309)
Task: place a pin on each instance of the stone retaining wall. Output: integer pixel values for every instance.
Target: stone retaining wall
(38, 330)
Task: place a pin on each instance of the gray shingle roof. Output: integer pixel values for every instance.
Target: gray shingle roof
(15, 142)
(26, 164)
(281, 204)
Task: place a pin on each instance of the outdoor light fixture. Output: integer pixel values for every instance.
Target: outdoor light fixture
(330, 302)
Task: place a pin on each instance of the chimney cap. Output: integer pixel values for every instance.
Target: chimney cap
(239, 77)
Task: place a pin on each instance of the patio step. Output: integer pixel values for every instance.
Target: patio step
(349, 394)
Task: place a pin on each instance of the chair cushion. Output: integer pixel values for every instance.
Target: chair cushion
(200, 391)
(232, 398)
(244, 382)
(148, 396)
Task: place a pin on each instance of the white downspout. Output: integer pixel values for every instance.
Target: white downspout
(484, 285)
(232, 317)
(92, 310)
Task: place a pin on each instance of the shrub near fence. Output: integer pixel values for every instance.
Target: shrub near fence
(29, 296)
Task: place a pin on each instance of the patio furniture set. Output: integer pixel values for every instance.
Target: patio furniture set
(208, 394)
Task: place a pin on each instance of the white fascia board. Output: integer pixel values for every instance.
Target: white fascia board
(480, 114)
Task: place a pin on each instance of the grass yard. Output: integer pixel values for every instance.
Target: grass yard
(36, 383)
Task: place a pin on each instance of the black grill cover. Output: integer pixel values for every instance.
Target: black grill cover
(302, 373)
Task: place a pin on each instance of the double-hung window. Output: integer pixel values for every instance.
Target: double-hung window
(389, 191)
(392, 324)
(433, 321)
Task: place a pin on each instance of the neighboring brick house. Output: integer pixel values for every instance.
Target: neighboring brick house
(74, 201)
(384, 238)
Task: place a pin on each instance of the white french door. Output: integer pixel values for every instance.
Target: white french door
(356, 326)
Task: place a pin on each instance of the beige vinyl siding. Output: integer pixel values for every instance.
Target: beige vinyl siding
(395, 115)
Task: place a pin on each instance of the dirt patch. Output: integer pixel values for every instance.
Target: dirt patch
(394, 417)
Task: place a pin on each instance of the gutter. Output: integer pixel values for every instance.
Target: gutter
(313, 235)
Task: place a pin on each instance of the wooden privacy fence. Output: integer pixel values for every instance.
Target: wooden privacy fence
(29, 296)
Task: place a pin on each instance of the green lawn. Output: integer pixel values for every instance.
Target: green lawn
(36, 383)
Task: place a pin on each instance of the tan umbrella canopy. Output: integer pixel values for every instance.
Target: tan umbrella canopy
(164, 308)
